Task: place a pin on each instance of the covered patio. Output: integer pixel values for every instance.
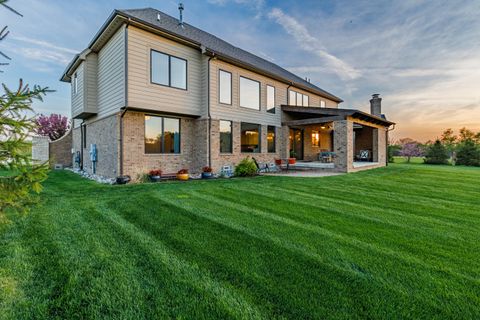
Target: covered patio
(341, 140)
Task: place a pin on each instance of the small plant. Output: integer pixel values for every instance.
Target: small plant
(293, 154)
(246, 168)
(155, 173)
(182, 171)
(143, 178)
(207, 169)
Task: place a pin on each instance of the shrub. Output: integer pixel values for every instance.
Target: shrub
(207, 169)
(156, 172)
(393, 150)
(183, 171)
(468, 154)
(143, 178)
(436, 154)
(246, 168)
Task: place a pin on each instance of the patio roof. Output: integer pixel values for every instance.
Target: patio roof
(316, 115)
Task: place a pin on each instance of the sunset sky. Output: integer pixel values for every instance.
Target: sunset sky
(423, 57)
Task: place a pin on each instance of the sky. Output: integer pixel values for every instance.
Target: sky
(422, 57)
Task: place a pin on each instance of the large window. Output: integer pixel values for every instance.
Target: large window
(298, 99)
(168, 70)
(271, 139)
(162, 135)
(225, 136)
(249, 93)
(225, 87)
(250, 137)
(322, 104)
(270, 99)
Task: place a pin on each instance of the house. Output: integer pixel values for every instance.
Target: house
(152, 91)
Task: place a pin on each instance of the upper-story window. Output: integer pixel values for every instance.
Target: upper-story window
(225, 87)
(75, 83)
(322, 104)
(298, 99)
(249, 93)
(270, 99)
(168, 70)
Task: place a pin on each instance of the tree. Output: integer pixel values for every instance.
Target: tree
(54, 126)
(449, 140)
(466, 134)
(411, 149)
(22, 176)
(468, 153)
(4, 31)
(436, 153)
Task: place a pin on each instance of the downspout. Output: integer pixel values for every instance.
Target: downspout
(386, 142)
(208, 111)
(126, 98)
(81, 144)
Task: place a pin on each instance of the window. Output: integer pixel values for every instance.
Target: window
(225, 136)
(305, 100)
(298, 99)
(270, 99)
(322, 104)
(292, 98)
(271, 139)
(75, 84)
(225, 87)
(315, 138)
(249, 93)
(167, 70)
(250, 137)
(162, 135)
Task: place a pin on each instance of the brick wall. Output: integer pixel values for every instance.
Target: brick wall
(40, 147)
(60, 151)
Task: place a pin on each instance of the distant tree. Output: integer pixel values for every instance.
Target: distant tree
(466, 134)
(54, 126)
(393, 150)
(411, 149)
(436, 153)
(449, 140)
(468, 153)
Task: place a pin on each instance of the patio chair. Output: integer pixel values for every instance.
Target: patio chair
(364, 155)
(261, 167)
(272, 167)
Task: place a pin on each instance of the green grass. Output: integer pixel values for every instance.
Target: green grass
(396, 242)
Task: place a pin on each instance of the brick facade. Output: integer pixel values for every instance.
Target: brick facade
(60, 151)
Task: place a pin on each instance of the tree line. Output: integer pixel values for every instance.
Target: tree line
(456, 149)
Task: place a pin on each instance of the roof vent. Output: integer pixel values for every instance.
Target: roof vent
(158, 17)
(180, 8)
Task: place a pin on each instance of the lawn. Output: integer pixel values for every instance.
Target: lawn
(396, 242)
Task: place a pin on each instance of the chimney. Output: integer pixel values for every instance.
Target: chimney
(180, 8)
(376, 105)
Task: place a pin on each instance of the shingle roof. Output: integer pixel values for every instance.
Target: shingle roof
(218, 46)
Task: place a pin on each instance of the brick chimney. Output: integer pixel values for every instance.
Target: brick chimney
(376, 105)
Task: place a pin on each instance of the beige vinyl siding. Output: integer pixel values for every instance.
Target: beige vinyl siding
(111, 75)
(91, 85)
(146, 95)
(234, 112)
(78, 97)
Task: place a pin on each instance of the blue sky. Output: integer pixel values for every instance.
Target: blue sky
(421, 56)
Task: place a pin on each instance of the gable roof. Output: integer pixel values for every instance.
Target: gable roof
(212, 45)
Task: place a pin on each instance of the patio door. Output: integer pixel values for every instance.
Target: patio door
(296, 143)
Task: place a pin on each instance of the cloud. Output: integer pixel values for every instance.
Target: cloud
(42, 51)
(257, 5)
(313, 45)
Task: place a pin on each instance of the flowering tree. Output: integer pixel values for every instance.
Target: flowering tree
(54, 126)
(411, 149)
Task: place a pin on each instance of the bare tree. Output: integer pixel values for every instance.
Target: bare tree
(4, 32)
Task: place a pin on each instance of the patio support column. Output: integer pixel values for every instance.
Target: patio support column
(375, 145)
(285, 142)
(343, 145)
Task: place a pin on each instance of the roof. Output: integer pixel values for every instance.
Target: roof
(314, 113)
(213, 45)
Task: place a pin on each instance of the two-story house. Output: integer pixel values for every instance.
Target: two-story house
(153, 92)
